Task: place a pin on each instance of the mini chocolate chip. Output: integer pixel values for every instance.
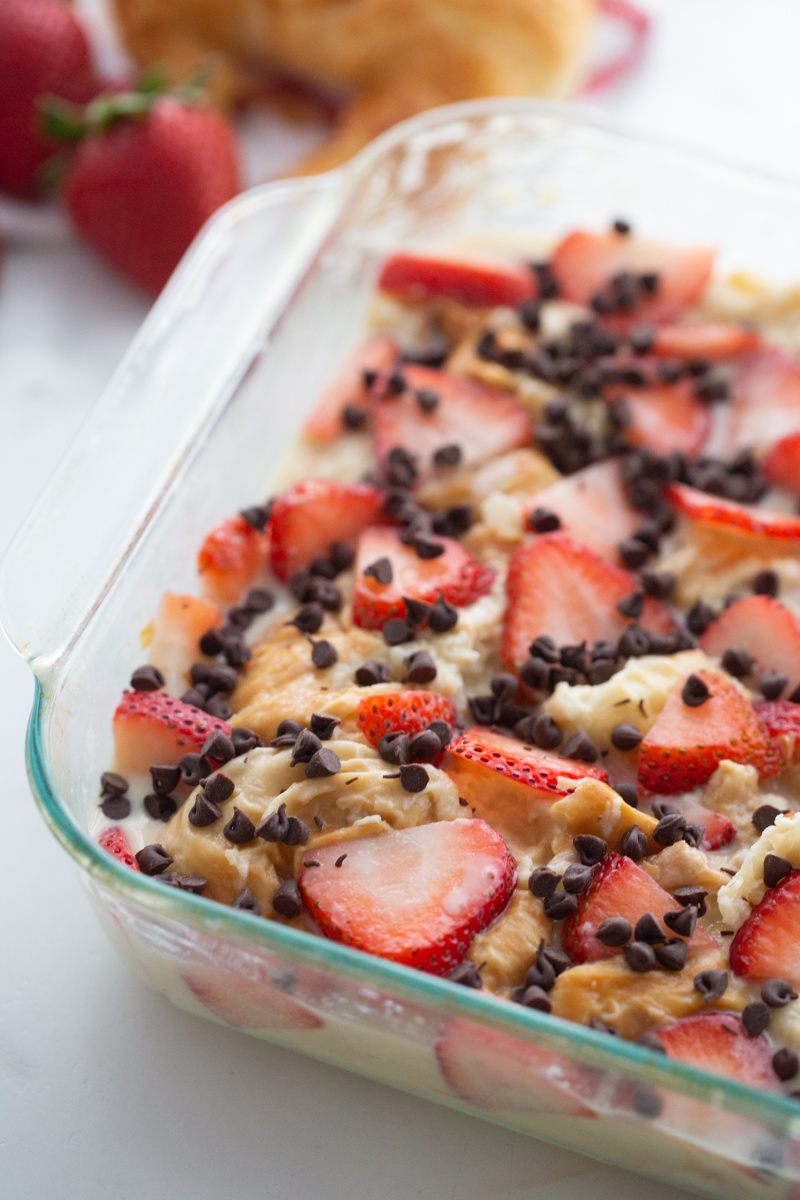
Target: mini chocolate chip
(625, 736)
(424, 746)
(623, 228)
(413, 778)
(648, 930)
(354, 417)
(153, 859)
(785, 1063)
(775, 869)
(634, 642)
(324, 655)
(591, 849)
(659, 584)
(577, 878)
(543, 882)
(580, 746)
(614, 931)
(325, 762)
(467, 974)
(236, 652)
(289, 728)
(737, 663)
(394, 748)
(443, 731)
(633, 843)
(426, 548)
(756, 1017)
(114, 785)
(693, 895)
(381, 570)
(647, 1103)
(240, 829)
(323, 725)
(543, 520)
(771, 684)
(542, 974)
(218, 789)
(341, 555)
(601, 670)
(259, 600)
(166, 778)
(297, 832)
(695, 691)
(116, 808)
(218, 748)
(160, 808)
(535, 672)
(420, 668)
(777, 992)
(247, 902)
(673, 954)
(288, 901)
(444, 616)
(639, 956)
(196, 696)
(651, 1041)
(628, 792)
(682, 921)
(305, 747)
(203, 812)
(222, 679)
(694, 833)
(396, 631)
(417, 611)
(504, 687)
(766, 583)
(699, 617)
(711, 984)
(308, 618)
(546, 733)
(559, 905)
(447, 456)
(535, 997)
(211, 643)
(670, 829)
(632, 605)
(147, 679)
(194, 769)
(633, 552)
(274, 827)
(370, 673)
(340, 860)
(427, 399)
(196, 884)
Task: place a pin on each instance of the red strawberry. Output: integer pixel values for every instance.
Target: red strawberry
(763, 627)
(326, 421)
(410, 712)
(495, 1071)
(665, 417)
(456, 575)
(476, 281)
(713, 340)
(140, 188)
(717, 1042)
(557, 586)
(781, 719)
(181, 622)
(781, 467)
(719, 830)
(733, 518)
(592, 506)
(417, 896)
(620, 888)
(585, 263)
(482, 421)
(310, 515)
(153, 727)
(477, 756)
(230, 558)
(767, 944)
(686, 745)
(43, 50)
(114, 842)
(766, 401)
(247, 1003)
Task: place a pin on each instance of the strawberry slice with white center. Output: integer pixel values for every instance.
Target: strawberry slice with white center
(767, 945)
(454, 574)
(585, 263)
(405, 711)
(477, 281)
(620, 888)
(765, 406)
(247, 1003)
(181, 622)
(498, 1073)
(417, 896)
(115, 843)
(479, 756)
(665, 417)
(781, 467)
(326, 422)
(717, 1042)
(559, 587)
(781, 719)
(729, 517)
(310, 515)
(482, 421)
(763, 627)
(230, 558)
(719, 829)
(592, 506)
(687, 743)
(153, 727)
(712, 340)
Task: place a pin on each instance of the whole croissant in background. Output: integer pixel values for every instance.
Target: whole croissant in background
(389, 58)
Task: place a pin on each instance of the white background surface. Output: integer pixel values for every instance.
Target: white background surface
(105, 1090)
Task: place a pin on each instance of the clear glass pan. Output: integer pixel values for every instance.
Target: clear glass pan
(212, 393)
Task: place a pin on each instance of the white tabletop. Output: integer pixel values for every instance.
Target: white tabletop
(106, 1090)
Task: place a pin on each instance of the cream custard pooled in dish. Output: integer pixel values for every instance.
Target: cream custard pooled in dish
(503, 684)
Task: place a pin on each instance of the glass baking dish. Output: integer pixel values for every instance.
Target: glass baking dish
(211, 395)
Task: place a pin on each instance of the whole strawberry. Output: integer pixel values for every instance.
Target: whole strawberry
(43, 49)
(148, 171)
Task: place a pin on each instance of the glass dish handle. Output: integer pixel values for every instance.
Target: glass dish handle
(173, 381)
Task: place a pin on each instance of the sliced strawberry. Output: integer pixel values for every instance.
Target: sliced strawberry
(326, 421)
(734, 518)
(781, 719)
(181, 622)
(230, 558)
(456, 575)
(585, 263)
(762, 626)
(309, 516)
(482, 421)
(114, 842)
(766, 401)
(592, 506)
(499, 1073)
(717, 1042)
(406, 711)
(473, 280)
(417, 896)
(247, 1003)
(665, 417)
(719, 829)
(767, 944)
(559, 587)
(686, 745)
(781, 467)
(619, 888)
(152, 727)
(480, 754)
(713, 340)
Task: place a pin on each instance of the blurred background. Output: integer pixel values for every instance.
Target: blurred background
(92, 1065)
